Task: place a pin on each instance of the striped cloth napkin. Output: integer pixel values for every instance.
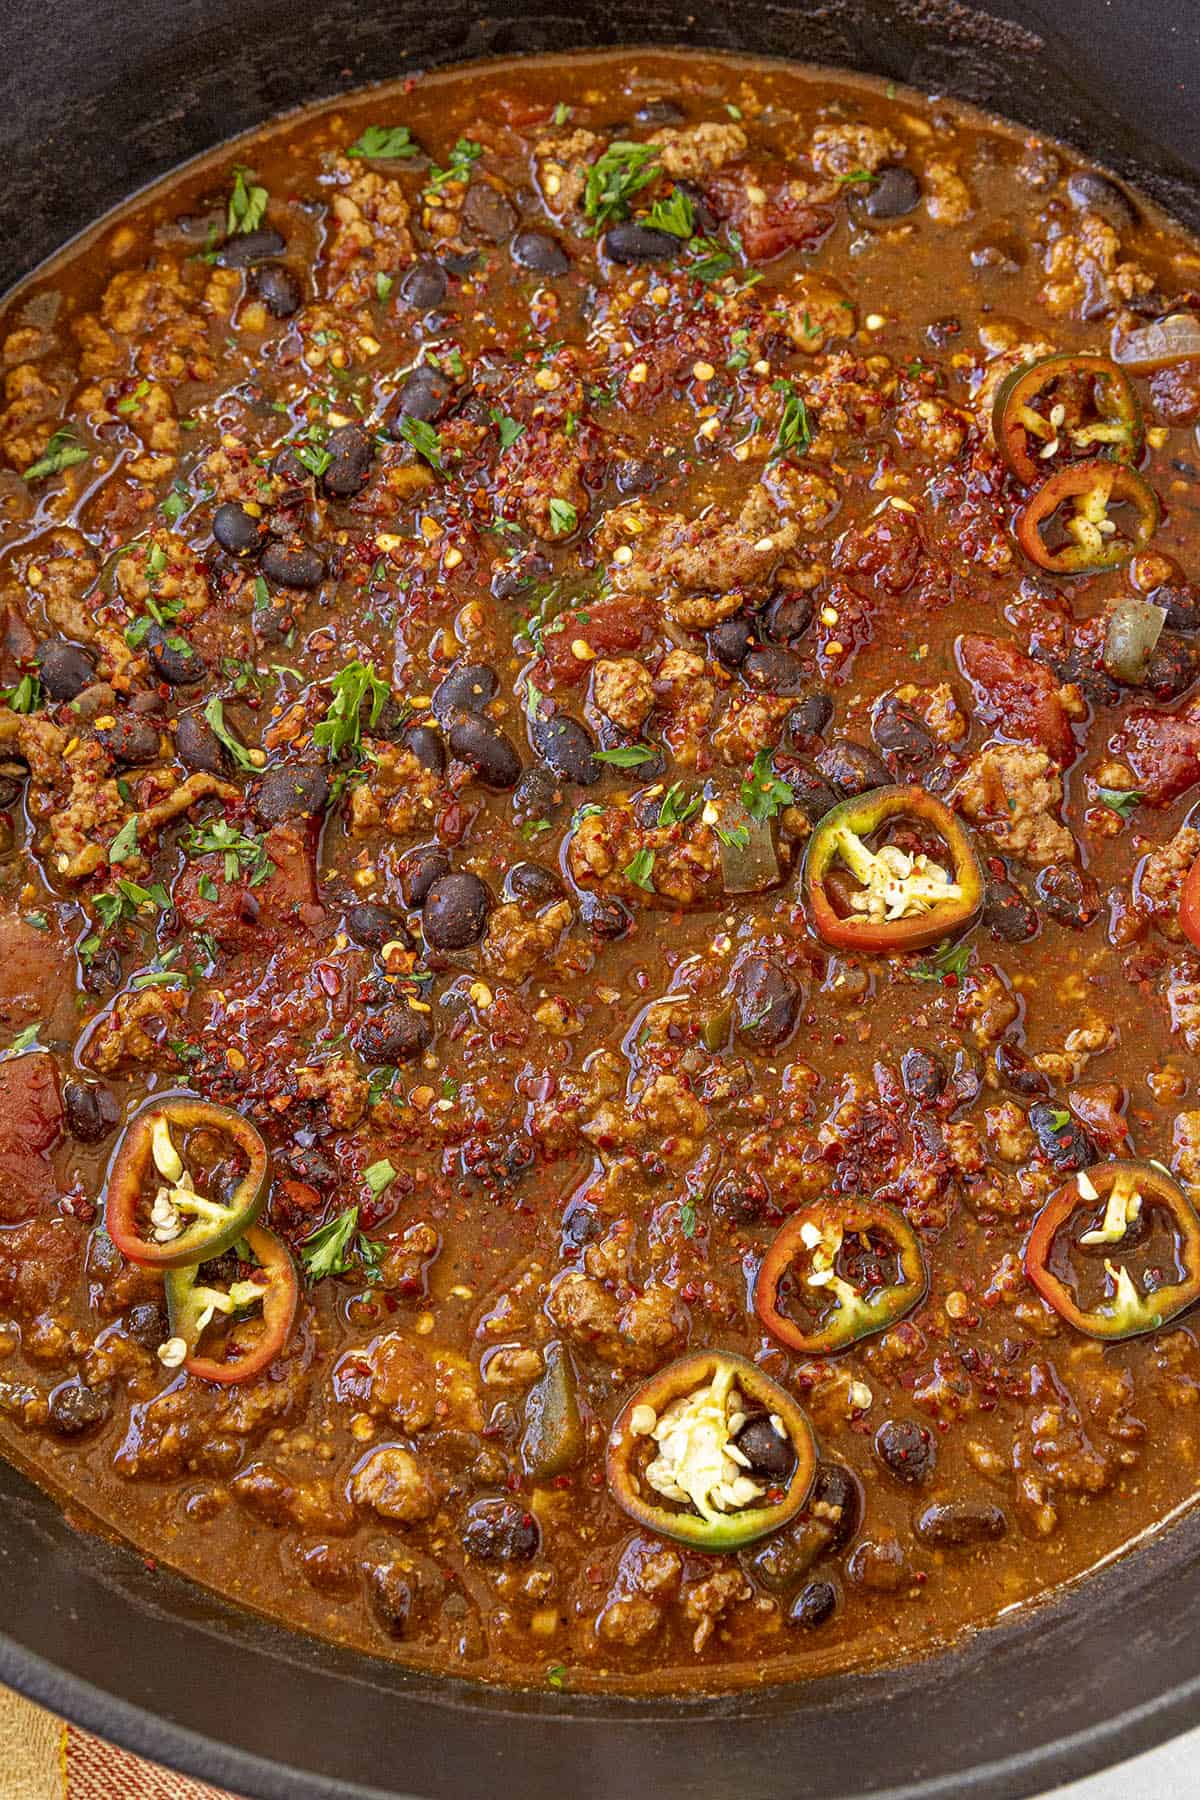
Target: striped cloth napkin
(41, 1758)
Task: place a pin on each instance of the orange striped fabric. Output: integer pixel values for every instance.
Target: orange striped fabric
(41, 1758)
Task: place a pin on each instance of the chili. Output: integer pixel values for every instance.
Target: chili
(709, 1492)
(1130, 1193)
(904, 900)
(195, 1301)
(806, 1254)
(1095, 542)
(177, 1225)
(1031, 414)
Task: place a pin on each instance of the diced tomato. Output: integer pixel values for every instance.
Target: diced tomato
(768, 226)
(236, 913)
(31, 1118)
(517, 110)
(36, 972)
(605, 626)
(1163, 751)
(1019, 696)
(39, 1262)
(1189, 904)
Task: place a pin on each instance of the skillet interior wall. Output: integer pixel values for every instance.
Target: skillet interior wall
(98, 97)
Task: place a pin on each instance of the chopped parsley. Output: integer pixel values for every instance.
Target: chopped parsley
(218, 838)
(313, 457)
(640, 870)
(563, 517)
(425, 441)
(341, 728)
(626, 756)
(1122, 801)
(463, 158)
(687, 1218)
(124, 846)
(713, 260)
(383, 285)
(1059, 1120)
(129, 403)
(26, 697)
(126, 899)
(339, 1248)
(214, 712)
(24, 1039)
(175, 504)
(510, 429)
(763, 794)
(379, 1176)
(247, 203)
(556, 1675)
(613, 179)
(849, 177)
(947, 959)
(675, 214)
(383, 143)
(677, 807)
(795, 432)
(734, 837)
(62, 452)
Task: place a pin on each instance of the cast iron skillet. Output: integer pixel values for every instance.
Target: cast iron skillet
(98, 97)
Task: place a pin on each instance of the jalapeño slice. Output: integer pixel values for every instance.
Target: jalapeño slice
(267, 1289)
(1094, 540)
(854, 1267)
(154, 1212)
(1062, 407)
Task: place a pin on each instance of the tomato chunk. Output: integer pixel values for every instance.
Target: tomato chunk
(1018, 695)
(31, 1118)
(1163, 751)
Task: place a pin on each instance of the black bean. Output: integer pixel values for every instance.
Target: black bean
(65, 668)
(902, 737)
(1061, 1139)
(393, 1593)
(536, 796)
(741, 1198)
(1171, 669)
(468, 689)
(291, 793)
(250, 247)
(475, 740)
(704, 218)
(500, 1531)
(906, 1449)
(532, 882)
(288, 467)
(1181, 603)
(1068, 895)
(566, 747)
(147, 1324)
(455, 912)
(423, 287)
(923, 1075)
(395, 1034)
(949, 1524)
(350, 470)
(132, 739)
(730, 640)
(852, 767)
(103, 972)
(814, 1605)
(538, 251)
(770, 1455)
(808, 720)
(488, 213)
(74, 1408)
(293, 564)
(605, 916)
(423, 742)
(236, 530)
(178, 662)
(1096, 685)
(812, 795)
(660, 112)
(788, 618)
(630, 242)
(836, 1501)
(1092, 192)
(893, 194)
(767, 1001)
(91, 1110)
(278, 289)
(197, 745)
(373, 925)
(774, 670)
(1007, 914)
(426, 395)
(418, 872)
(1018, 1073)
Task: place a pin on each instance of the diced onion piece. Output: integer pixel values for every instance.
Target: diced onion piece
(1134, 628)
(1155, 346)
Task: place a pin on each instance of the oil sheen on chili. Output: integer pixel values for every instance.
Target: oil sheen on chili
(599, 916)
